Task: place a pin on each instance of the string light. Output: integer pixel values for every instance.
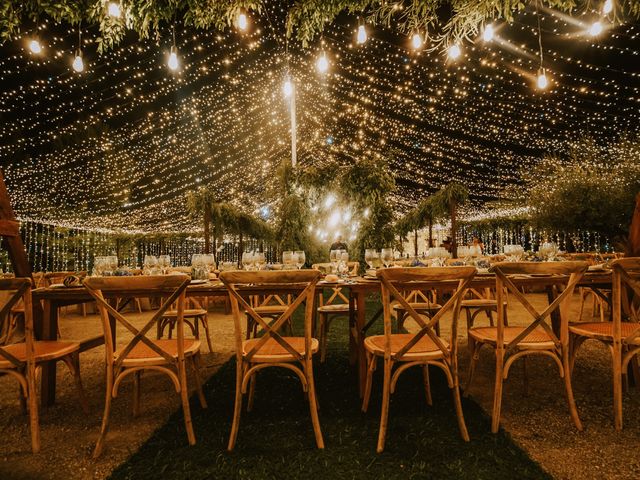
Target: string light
(487, 34)
(242, 22)
(35, 46)
(416, 41)
(114, 10)
(454, 52)
(607, 8)
(542, 81)
(173, 63)
(595, 29)
(362, 34)
(287, 88)
(323, 63)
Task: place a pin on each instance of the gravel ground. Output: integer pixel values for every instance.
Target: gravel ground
(537, 420)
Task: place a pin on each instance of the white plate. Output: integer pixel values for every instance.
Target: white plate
(198, 282)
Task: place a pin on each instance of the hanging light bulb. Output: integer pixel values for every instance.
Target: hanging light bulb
(607, 8)
(416, 41)
(287, 88)
(114, 10)
(78, 63)
(173, 59)
(35, 47)
(454, 52)
(362, 34)
(488, 33)
(243, 22)
(542, 79)
(595, 29)
(323, 63)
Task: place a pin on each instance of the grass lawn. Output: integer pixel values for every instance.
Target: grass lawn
(276, 439)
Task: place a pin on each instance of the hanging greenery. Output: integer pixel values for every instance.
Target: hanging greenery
(443, 22)
(425, 214)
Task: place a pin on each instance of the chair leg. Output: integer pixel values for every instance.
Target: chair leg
(469, 318)
(582, 300)
(573, 411)
(136, 393)
(32, 398)
(184, 396)
(205, 323)
(73, 364)
(237, 409)
(497, 392)
(252, 392)
(458, 404)
(105, 417)
(323, 337)
(195, 363)
(384, 414)
(474, 348)
(371, 367)
(313, 406)
(427, 384)
(616, 357)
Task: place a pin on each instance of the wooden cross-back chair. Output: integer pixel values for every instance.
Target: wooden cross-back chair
(336, 306)
(423, 302)
(269, 306)
(537, 337)
(422, 348)
(20, 360)
(168, 356)
(194, 317)
(273, 349)
(622, 333)
(482, 302)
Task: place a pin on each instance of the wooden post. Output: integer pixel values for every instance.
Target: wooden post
(415, 243)
(10, 230)
(454, 229)
(633, 243)
(207, 236)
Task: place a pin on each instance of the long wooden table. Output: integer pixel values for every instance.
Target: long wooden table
(46, 323)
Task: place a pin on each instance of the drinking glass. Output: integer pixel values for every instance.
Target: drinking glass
(164, 262)
(387, 256)
(150, 265)
(369, 256)
(287, 259)
(260, 260)
(300, 258)
(210, 262)
(247, 260)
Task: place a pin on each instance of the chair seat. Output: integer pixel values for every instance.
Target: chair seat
(142, 354)
(273, 309)
(44, 351)
(538, 338)
(335, 308)
(603, 330)
(188, 313)
(272, 351)
(480, 303)
(425, 348)
(419, 306)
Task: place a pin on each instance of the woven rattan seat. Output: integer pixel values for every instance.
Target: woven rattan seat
(603, 329)
(44, 351)
(419, 306)
(490, 334)
(335, 308)
(142, 352)
(425, 347)
(480, 303)
(273, 351)
(193, 312)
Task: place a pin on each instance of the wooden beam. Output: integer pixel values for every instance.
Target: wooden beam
(633, 243)
(9, 228)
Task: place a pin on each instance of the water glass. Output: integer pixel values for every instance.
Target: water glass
(287, 259)
(300, 258)
(386, 255)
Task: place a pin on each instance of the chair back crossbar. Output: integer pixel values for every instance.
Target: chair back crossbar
(626, 299)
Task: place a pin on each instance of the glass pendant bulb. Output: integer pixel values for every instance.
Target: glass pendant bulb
(362, 34)
(173, 59)
(78, 63)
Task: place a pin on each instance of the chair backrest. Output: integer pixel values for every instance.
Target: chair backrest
(300, 284)
(398, 280)
(16, 289)
(625, 297)
(548, 274)
(171, 287)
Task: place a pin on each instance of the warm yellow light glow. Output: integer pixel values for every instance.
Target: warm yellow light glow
(35, 47)
(416, 41)
(114, 10)
(362, 34)
(607, 8)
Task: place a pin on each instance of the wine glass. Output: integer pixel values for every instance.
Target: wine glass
(247, 260)
(150, 265)
(287, 258)
(387, 256)
(210, 262)
(164, 261)
(260, 260)
(300, 258)
(369, 256)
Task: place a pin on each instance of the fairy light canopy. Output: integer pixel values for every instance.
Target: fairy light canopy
(118, 143)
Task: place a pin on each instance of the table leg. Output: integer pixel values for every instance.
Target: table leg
(48, 331)
(360, 323)
(353, 339)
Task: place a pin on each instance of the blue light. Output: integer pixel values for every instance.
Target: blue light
(329, 140)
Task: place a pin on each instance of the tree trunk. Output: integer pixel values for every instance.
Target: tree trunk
(430, 233)
(454, 231)
(415, 243)
(633, 242)
(240, 250)
(207, 236)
